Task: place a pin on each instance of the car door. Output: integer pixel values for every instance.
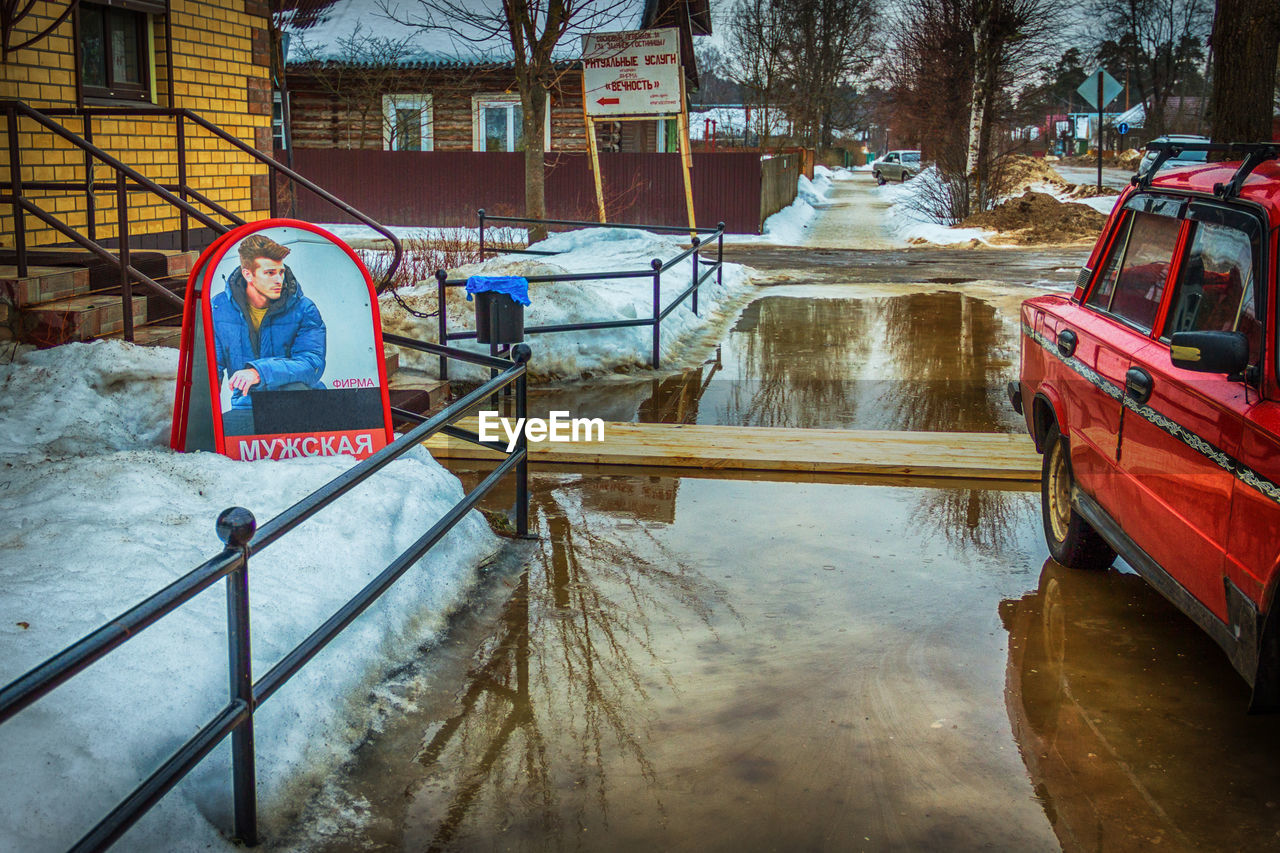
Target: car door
(1182, 428)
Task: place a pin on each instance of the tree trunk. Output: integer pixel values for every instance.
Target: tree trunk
(534, 106)
(1246, 36)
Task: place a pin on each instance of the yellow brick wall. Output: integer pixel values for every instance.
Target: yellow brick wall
(215, 65)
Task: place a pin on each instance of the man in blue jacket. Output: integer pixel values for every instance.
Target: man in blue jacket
(268, 336)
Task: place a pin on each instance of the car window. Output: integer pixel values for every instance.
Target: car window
(892, 158)
(911, 157)
(1214, 291)
(1137, 270)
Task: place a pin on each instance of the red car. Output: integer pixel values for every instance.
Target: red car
(1154, 394)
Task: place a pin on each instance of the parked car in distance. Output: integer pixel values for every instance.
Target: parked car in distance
(1186, 158)
(1154, 394)
(896, 166)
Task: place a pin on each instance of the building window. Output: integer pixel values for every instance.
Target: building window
(406, 122)
(498, 123)
(115, 52)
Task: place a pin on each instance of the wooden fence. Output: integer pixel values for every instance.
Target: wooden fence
(445, 188)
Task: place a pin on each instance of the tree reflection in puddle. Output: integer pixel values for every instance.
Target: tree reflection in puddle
(573, 668)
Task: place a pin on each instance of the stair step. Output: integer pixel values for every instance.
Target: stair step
(151, 262)
(41, 284)
(80, 318)
(153, 336)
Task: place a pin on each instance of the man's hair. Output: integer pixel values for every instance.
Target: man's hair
(260, 246)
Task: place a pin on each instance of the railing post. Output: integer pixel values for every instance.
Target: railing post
(656, 264)
(481, 212)
(180, 143)
(442, 321)
(122, 224)
(15, 187)
(696, 242)
(521, 354)
(720, 254)
(236, 527)
(90, 200)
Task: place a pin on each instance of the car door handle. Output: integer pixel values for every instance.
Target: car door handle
(1067, 341)
(1137, 385)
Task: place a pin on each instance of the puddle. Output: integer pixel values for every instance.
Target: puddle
(819, 357)
(668, 674)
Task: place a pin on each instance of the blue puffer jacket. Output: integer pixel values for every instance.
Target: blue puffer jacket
(288, 347)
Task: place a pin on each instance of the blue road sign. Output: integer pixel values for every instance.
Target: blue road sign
(1122, 128)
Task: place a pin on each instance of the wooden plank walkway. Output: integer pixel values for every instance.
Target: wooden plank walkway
(923, 454)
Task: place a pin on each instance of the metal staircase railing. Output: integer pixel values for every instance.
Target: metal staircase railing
(180, 195)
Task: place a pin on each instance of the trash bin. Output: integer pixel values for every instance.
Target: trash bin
(500, 301)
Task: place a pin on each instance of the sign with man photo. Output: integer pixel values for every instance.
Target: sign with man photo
(287, 331)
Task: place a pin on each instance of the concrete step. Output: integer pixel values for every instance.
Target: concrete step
(80, 318)
(152, 336)
(41, 284)
(151, 262)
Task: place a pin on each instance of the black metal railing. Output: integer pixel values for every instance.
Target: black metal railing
(238, 530)
(189, 202)
(702, 268)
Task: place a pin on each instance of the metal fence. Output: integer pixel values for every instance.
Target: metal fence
(238, 530)
(700, 270)
(444, 188)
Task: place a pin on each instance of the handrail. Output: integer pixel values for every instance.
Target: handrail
(656, 268)
(237, 529)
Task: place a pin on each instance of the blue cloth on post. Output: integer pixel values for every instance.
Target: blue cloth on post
(515, 286)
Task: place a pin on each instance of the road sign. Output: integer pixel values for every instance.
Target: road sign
(633, 73)
(1122, 128)
(1110, 88)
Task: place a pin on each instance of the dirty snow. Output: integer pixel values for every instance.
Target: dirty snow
(788, 226)
(99, 514)
(563, 355)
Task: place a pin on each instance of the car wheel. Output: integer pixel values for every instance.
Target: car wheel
(1072, 542)
(906, 176)
(880, 179)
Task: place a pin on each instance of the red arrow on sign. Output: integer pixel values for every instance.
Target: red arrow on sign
(603, 101)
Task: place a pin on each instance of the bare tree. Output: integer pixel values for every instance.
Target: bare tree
(1246, 40)
(1156, 41)
(522, 34)
(355, 73)
(827, 43)
(757, 32)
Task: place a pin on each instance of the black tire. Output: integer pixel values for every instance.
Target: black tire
(880, 178)
(906, 176)
(1072, 541)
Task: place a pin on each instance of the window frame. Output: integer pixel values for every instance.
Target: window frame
(115, 92)
(483, 100)
(424, 103)
(1121, 242)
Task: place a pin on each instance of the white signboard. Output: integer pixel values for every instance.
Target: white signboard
(632, 73)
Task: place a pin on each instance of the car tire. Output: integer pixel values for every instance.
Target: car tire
(880, 179)
(906, 176)
(1072, 541)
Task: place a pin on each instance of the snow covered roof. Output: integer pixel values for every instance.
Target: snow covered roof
(422, 33)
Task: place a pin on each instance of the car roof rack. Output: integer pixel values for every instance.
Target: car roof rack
(1255, 153)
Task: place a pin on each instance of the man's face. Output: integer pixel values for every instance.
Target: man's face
(266, 277)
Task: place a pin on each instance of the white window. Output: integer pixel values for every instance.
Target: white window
(406, 122)
(497, 123)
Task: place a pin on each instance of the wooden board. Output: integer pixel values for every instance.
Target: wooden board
(926, 454)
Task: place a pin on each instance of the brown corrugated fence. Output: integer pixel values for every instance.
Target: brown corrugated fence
(445, 188)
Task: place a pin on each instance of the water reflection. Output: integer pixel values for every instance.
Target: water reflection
(575, 637)
(1132, 723)
(919, 361)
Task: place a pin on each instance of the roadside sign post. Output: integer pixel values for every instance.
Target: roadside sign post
(633, 76)
(1100, 89)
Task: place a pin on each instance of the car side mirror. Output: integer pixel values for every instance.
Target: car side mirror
(1210, 352)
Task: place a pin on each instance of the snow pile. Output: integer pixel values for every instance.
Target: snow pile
(563, 355)
(787, 227)
(909, 216)
(99, 515)
(364, 237)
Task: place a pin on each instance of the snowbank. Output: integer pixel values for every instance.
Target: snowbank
(364, 237)
(100, 514)
(563, 355)
(908, 222)
(787, 226)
